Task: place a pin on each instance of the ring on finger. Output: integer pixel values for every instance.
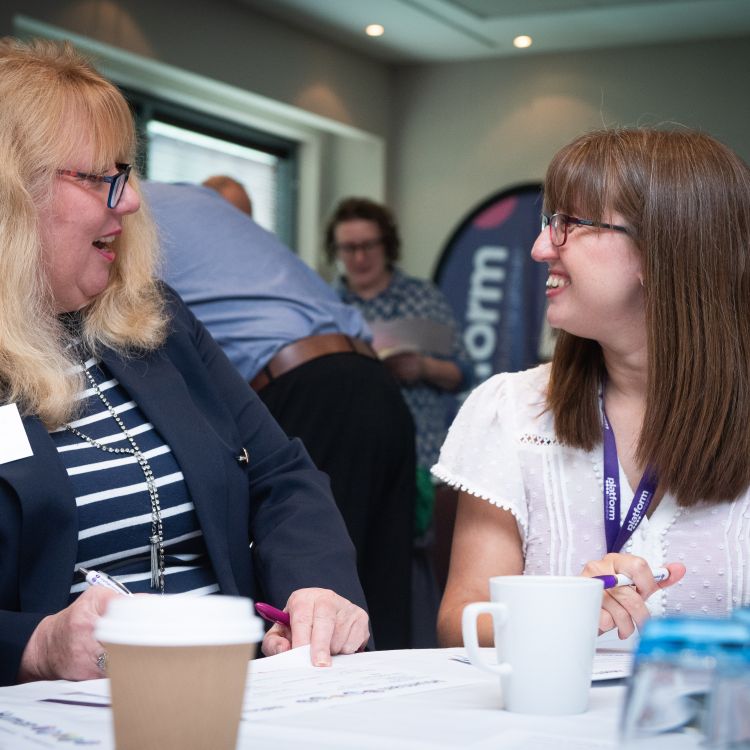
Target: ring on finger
(101, 662)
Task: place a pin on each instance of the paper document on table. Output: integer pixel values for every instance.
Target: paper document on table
(357, 677)
(609, 663)
(294, 658)
(416, 335)
(612, 664)
(25, 723)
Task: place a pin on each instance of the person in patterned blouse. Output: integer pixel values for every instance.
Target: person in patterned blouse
(363, 240)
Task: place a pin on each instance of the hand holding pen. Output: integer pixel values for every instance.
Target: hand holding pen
(629, 581)
(620, 579)
(63, 646)
(319, 617)
(99, 578)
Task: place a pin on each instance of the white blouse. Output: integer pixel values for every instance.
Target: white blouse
(502, 448)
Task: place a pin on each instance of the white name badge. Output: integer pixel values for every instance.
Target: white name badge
(14, 443)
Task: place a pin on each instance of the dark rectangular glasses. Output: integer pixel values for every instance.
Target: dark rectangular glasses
(116, 182)
(558, 226)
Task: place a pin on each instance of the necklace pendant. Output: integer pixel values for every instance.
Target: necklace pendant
(156, 541)
(156, 575)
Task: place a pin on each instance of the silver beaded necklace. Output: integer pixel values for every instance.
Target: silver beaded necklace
(156, 539)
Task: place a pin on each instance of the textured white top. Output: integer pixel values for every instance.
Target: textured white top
(502, 448)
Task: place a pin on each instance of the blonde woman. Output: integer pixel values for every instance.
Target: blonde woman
(129, 444)
(632, 449)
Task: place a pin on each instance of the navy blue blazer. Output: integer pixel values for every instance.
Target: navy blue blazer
(207, 413)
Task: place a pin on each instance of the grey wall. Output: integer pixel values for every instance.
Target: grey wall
(224, 40)
(463, 131)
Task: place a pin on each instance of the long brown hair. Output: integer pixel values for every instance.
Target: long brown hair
(687, 198)
(51, 102)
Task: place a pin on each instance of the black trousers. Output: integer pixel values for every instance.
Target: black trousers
(348, 411)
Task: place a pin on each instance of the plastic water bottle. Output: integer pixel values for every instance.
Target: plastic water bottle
(679, 665)
(728, 719)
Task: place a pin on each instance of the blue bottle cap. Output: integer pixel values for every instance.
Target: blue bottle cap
(710, 636)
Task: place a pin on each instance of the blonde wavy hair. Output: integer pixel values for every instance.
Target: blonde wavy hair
(52, 104)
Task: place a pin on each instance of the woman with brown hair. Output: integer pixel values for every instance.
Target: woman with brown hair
(128, 443)
(630, 450)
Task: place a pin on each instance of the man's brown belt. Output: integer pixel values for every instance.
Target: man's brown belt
(305, 350)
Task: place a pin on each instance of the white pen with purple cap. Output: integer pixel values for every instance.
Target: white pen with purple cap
(98, 578)
(620, 579)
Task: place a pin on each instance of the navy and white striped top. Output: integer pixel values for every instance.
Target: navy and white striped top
(114, 507)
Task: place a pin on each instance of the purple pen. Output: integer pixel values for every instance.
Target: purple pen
(620, 579)
(267, 612)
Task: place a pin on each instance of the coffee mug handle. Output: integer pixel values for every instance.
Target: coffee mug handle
(499, 613)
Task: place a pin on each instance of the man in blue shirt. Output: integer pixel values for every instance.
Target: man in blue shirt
(306, 353)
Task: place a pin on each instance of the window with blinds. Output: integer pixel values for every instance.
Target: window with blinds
(181, 145)
(180, 155)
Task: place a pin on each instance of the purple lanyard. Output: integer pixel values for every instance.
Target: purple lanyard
(615, 533)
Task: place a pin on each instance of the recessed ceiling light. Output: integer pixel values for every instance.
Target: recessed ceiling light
(374, 29)
(522, 41)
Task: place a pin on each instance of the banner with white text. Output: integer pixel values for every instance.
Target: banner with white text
(494, 287)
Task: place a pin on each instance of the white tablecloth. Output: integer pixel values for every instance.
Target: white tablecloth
(420, 699)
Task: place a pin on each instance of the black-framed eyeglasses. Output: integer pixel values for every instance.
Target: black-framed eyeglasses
(558, 226)
(352, 247)
(116, 182)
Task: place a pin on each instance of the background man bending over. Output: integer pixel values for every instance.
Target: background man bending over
(306, 354)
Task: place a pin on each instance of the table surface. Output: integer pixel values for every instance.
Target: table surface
(421, 699)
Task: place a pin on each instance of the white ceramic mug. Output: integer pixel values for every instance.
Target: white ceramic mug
(545, 636)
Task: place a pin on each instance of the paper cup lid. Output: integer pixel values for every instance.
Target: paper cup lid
(179, 620)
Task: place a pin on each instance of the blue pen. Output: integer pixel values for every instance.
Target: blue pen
(620, 579)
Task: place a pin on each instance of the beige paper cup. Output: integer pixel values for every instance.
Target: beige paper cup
(177, 666)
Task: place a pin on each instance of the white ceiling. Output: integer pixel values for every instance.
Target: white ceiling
(445, 30)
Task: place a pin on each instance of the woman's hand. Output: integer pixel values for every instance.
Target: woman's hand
(63, 647)
(328, 622)
(624, 607)
(407, 367)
